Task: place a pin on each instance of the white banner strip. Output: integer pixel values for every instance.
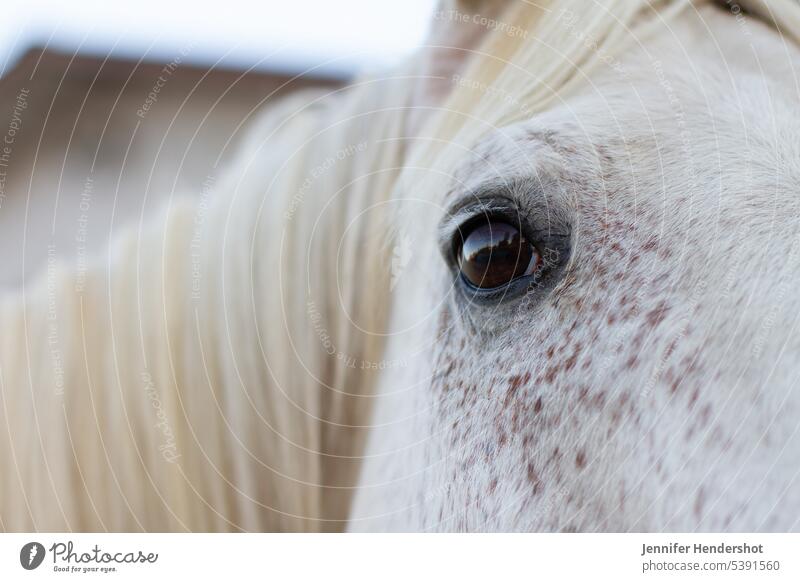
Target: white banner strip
(728, 557)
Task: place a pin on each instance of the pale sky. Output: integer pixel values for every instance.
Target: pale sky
(342, 36)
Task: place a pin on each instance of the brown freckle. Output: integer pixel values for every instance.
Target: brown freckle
(493, 485)
(533, 478)
(580, 460)
(650, 244)
(670, 348)
(657, 315)
(514, 382)
(660, 279)
(705, 415)
(502, 439)
(727, 445)
(537, 407)
(550, 352)
(698, 503)
(600, 399)
(515, 421)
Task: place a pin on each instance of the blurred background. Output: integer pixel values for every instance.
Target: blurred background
(108, 108)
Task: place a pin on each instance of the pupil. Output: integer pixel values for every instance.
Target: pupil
(494, 254)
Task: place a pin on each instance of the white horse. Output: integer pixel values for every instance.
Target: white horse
(542, 277)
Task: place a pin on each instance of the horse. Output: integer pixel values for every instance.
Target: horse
(538, 277)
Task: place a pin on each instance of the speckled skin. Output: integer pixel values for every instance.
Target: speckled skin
(652, 382)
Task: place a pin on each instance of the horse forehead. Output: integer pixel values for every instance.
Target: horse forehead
(523, 150)
(609, 122)
(655, 98)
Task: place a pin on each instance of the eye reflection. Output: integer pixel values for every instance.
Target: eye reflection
(495, 253)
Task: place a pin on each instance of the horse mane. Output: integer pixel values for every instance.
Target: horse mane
(185, 383)
(215, 369)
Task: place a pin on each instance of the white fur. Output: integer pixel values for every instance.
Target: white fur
(311, 375)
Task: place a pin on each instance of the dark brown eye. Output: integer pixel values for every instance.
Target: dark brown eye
(495, 253)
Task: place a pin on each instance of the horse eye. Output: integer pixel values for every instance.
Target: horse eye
(495, 253)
